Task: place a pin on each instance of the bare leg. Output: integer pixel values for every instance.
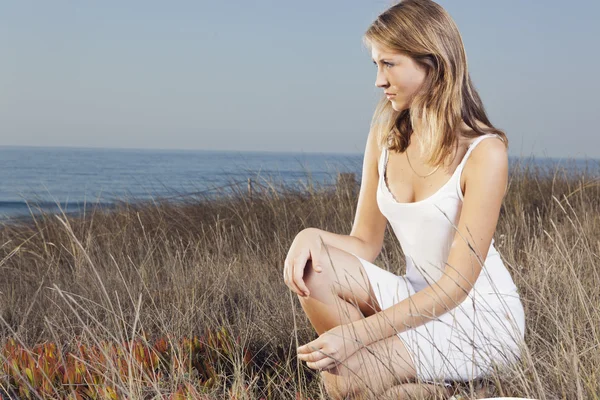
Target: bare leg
(342, 294)
(417, 391)
(338, 295)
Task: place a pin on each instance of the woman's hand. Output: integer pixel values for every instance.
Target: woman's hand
(306, 246)
(330, 349)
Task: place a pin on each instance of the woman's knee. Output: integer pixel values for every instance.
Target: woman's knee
(341, 276)
(340, 269)
(324, 280)
(316, 281)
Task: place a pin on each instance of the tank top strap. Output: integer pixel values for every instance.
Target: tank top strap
(466, 156)
(382, 157)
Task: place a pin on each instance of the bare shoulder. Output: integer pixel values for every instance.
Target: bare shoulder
(373, 143)
(489, 152)
(487, 165)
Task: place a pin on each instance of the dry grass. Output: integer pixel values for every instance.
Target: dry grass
(163, 269)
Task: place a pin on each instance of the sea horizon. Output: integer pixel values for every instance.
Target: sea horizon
(157, 149)
(74, 177)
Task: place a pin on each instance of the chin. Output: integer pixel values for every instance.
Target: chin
(398, 107)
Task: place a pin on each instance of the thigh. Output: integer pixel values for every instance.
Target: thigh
(489, 338)
(346, 274)
(373, 369)
(459, 345)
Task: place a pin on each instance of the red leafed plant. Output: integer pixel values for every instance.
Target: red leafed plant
(96, 372)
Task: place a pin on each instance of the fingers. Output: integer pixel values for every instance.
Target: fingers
(294, 272)
(324, 364)
(306, 349)
(318, 360)
(299, 265)
(315, 257)
(288, 278)
(311, 357)
(311, 353)
(317, 268)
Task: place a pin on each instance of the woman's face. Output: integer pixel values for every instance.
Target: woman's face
(398, 75)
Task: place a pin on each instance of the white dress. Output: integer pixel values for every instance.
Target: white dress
(487, 327)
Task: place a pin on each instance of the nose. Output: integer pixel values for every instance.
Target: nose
(381, 80)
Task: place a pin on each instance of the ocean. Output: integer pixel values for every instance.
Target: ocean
(55, 178)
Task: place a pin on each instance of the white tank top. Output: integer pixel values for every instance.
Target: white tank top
(425, 230)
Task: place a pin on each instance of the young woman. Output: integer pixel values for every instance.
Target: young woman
(437, 170)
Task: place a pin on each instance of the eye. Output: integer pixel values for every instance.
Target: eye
(385, 63)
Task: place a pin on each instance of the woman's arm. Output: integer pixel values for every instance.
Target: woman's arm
(366, 238)
(348, 243)
(485, 182)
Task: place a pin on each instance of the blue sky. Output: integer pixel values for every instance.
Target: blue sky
(277, 75)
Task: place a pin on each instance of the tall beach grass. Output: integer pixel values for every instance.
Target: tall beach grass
(165, 271)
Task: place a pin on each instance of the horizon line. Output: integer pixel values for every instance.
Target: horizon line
(586, 158)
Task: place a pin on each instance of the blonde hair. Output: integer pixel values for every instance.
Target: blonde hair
(424, 31)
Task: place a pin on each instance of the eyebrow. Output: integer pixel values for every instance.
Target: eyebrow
(381, 59)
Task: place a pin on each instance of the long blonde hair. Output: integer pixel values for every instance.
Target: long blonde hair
(424, 31)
